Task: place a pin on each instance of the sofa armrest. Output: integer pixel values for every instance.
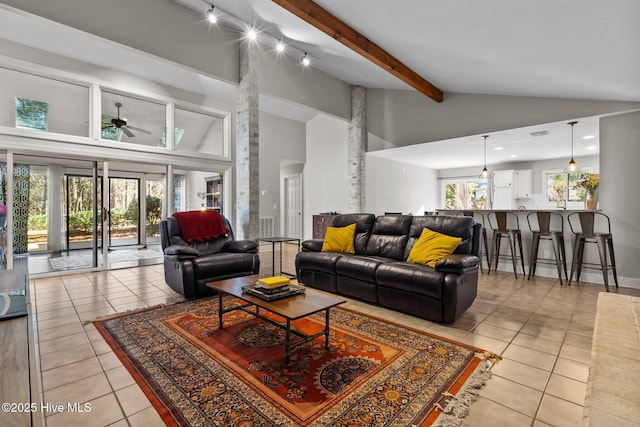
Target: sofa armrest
(457, 263)
(312, 245)
(240, 246)
(182, 251)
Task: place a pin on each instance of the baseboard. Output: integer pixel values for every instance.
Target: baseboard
(594, 277)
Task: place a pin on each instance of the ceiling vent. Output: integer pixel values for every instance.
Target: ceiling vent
(539, 133)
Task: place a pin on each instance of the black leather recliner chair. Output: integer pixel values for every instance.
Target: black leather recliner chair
(188, 267)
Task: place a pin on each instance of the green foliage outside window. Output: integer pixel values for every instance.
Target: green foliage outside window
(31, 114)
(466, 195)
(562, 186)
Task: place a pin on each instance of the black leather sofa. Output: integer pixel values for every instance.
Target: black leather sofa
(378, 272)
(189, 266)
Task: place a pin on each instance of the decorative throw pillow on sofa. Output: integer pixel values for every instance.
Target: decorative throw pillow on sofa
(432, 246)
(340, 239)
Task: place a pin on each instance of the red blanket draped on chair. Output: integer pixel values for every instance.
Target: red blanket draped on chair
(200, 225)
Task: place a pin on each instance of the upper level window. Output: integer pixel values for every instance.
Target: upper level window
(178, 134)
(108, 131)
(31, 114)
(465, 193)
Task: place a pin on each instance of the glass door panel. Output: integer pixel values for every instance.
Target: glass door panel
(124, 214)
(154, 194)
(79, 214)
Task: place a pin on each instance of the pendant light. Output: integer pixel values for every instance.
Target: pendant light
(485, 171)
(572, 167)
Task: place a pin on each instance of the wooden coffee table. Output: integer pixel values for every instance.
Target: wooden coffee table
(290, 308)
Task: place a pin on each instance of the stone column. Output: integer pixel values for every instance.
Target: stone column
(357, 148)
(247, 136)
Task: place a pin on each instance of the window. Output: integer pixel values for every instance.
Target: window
(31, 114)
(561, 186)
(108, 130)
(178, 134)
(200, 132)
(466, 193)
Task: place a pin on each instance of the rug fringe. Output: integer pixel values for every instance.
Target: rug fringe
(458, 406)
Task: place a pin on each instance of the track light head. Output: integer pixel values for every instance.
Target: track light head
(211, 15)
(305, 60)
(252, 34)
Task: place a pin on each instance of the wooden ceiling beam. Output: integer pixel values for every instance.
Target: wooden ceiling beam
(323, 20)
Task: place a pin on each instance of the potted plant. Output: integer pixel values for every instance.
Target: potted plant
(590, 182)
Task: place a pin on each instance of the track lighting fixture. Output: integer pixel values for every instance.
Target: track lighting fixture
(216, 15)
(211, 15)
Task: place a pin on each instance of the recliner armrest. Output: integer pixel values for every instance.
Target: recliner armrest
(240, 246)
(456, 263)
(182, 251)
(312, 245)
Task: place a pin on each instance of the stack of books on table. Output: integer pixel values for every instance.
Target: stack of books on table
(274, 282)
(273, 288)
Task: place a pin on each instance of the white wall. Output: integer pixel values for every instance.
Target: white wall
(324, 179)
(618, 191)
(408, 117)
(399, 187)
(280, 139)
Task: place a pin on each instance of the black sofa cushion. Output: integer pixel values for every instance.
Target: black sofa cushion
(409, 277)
(363, 223)
(223, 264)
(450, 225)
(359, 267)
(389, 236)
(323, 262)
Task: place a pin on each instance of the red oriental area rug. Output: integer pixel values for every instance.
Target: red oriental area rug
(375, 373)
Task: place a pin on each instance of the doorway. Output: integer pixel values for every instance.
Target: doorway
(293, 205)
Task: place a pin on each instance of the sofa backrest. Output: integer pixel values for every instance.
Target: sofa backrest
(171, 234)
(457, 226)
(389, 236)
(363, 221)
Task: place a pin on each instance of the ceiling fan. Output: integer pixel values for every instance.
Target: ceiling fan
(122, 124)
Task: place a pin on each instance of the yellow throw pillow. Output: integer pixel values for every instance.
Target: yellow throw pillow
(432, 246)
(339, 239)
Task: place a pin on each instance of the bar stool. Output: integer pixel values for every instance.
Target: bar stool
(592, 227)
(506, 224)
(546, 225)
(480, 219)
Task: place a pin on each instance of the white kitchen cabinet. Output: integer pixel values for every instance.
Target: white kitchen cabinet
(523, 188)
(503, 190)
(503, 178)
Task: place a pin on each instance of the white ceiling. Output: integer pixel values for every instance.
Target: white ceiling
(584, 49)
(515, 145)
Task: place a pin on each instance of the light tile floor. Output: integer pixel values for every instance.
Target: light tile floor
(541, 329)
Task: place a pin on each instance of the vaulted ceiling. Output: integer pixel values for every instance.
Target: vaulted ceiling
(582, 49)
